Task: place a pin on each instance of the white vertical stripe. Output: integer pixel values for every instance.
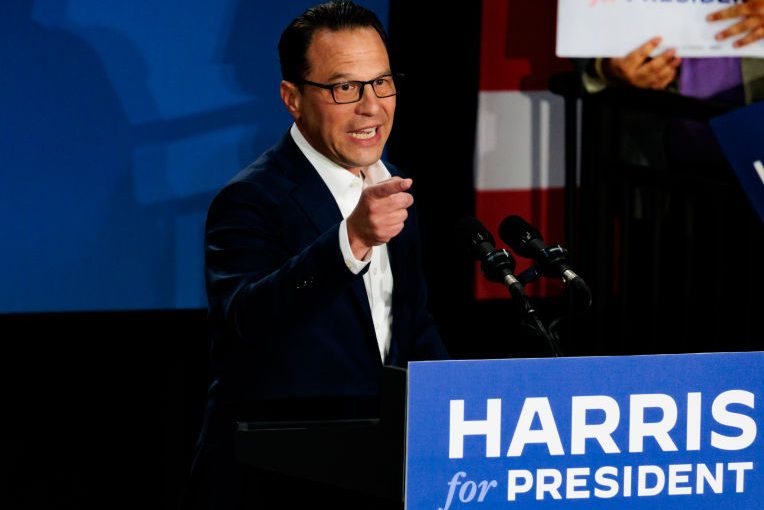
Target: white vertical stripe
(543, 155)
(520, 141)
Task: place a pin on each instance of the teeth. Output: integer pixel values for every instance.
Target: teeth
(364, 134)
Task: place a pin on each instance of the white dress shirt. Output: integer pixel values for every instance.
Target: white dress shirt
(346, 189)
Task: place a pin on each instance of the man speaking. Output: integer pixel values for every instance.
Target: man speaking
(312, 252)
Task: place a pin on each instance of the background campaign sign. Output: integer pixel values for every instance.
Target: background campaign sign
(612, 28)
(740, 136)
(668, 432)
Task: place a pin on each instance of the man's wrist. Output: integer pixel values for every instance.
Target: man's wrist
(356, 254)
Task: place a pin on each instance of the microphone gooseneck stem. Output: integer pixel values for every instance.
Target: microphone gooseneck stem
(528, 312)
(539, 326)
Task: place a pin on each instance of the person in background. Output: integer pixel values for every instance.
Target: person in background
(730, 79)
(678, 195)
(649, 139)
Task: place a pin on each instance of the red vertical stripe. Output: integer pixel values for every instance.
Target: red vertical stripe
(517, 54)
(517, 45)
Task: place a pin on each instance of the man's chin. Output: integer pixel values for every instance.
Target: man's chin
(362, 161)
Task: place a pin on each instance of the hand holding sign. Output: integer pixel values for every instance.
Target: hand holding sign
(751, 24)
(639, 70)
(614, 28)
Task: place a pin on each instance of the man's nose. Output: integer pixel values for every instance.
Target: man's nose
(369, 103)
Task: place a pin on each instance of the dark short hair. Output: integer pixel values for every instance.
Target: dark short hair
(335, 15)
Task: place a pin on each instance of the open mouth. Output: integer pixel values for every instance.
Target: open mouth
(364, 134)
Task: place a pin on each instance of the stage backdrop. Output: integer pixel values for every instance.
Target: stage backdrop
(520, 144)
(119, 122)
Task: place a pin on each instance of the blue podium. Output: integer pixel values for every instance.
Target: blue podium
(637, 432)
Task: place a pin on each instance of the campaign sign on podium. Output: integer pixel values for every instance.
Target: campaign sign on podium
(636, 432)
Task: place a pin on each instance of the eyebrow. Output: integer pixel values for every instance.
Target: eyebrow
(346, 77)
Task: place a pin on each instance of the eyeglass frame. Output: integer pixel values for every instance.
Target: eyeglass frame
(360, 83)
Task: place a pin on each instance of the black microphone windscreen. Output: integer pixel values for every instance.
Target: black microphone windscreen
(517, 233)
(470, 232)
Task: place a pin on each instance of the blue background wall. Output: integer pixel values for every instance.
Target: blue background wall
(118, 122)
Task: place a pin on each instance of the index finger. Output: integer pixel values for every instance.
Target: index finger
(640, 54)
(736, 11)
(661, 60)
(389, 187)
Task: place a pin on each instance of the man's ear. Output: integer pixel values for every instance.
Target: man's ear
(292, 98)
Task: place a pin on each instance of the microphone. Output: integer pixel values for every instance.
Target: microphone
(497, 265)
(552, 261)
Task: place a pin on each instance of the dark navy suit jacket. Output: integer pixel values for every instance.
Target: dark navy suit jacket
(287, 317)
(289, 321)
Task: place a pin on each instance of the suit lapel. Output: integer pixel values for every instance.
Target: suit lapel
(397, 266)
(310, 193)
(397, 253)
(320, 208)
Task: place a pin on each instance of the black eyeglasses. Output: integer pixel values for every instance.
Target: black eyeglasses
(352, 91)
